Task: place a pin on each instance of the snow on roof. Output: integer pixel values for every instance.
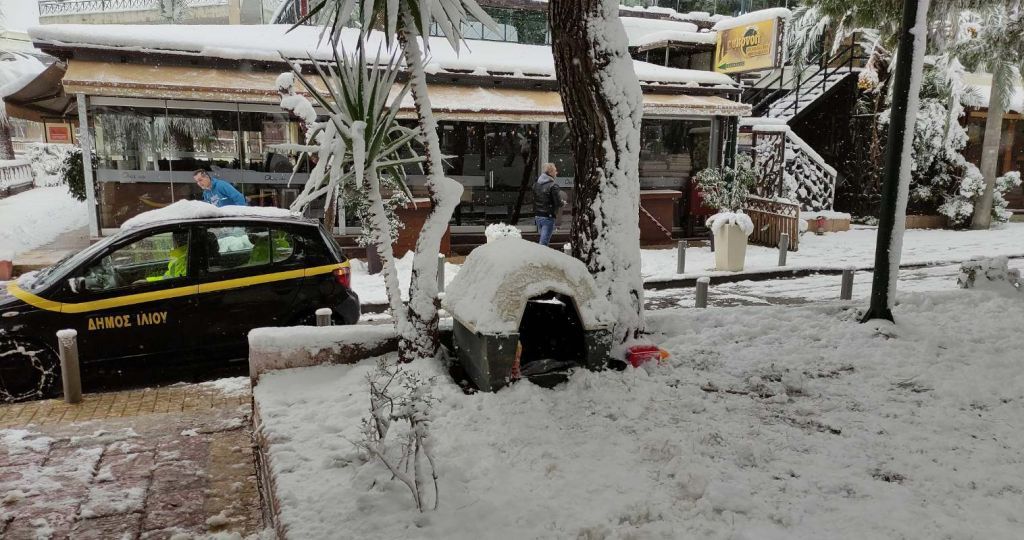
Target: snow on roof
(753, 17)
(490, 292)
(982, 85)
(17, 70)
(202, 210)
(647, 31)
(270, 42)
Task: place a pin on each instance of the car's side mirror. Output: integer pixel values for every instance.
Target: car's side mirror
(77, 284)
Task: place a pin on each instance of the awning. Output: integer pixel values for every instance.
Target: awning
(42, 97)
(450, 102)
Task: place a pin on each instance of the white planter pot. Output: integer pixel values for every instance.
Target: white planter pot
(730, 248)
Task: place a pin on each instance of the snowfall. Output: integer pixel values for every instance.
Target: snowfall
(775, 422)
(831, 251)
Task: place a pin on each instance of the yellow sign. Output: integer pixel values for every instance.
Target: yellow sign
(748, 47)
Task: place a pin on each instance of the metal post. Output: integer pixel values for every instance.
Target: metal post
(681, 257)
(711, 242)
(68, 341)
(543, 144)
(702, 292)
(373, 263)
(323, 317)
(440, 272)
(783, 248)
(567, 248)
(85, 141)
(846, 290)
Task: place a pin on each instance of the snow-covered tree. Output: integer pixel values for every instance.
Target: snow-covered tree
(174, 11)
(994, 42)
(360, 146)
(603, 106)
(409, 21)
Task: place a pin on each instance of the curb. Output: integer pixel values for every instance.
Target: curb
(764, 275)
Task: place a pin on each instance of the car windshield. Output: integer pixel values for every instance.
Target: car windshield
(51, 274)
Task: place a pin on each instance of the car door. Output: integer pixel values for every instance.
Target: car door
(240, 286)
(136, 300)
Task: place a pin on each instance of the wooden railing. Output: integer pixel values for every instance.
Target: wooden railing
(15, 176)
(771, 219)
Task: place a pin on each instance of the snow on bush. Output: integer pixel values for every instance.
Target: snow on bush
(495, 231)
(47, 161)
(727, 188)
(989, 273)
(721, 219)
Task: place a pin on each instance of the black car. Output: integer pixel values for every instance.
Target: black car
(169, 294)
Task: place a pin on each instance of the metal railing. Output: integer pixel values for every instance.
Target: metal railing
(75, 7)
(803, 81)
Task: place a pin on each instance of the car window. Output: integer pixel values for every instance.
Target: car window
(156, 258)
(284, 244)
(231, 248)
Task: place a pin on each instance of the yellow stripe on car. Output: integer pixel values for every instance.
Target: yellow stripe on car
(177, 292)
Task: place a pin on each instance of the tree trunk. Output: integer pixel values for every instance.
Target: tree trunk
(6, 144)
(898, 149)
(982, 218)
(423, 339)
(603, 106)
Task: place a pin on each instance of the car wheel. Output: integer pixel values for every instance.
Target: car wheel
(28, 370)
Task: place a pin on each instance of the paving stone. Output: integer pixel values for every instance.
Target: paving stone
(174, 509)
(49, 525)
(133, 465)
(120, 496)
(178, 476)
(114, 527)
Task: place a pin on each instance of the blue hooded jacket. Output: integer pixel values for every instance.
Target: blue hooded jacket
(221, 193)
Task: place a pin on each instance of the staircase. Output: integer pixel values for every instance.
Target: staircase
(788, 167)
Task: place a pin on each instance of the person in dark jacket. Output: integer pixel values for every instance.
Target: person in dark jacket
(547, 200)
(216, 191)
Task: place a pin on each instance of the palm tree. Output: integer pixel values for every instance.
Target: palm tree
(996, 46)
(410, 21)
(362, 144)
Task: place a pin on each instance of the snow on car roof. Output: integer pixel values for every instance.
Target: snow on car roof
(270, 42)
(183, 210)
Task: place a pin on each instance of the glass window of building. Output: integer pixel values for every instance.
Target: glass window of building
(132, 169)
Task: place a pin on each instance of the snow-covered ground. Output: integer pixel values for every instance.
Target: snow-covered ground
(830, 251)
(36, 217)
(766, 423)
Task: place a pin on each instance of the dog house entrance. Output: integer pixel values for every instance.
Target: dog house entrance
(551, 338)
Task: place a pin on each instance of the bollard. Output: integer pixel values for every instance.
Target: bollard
(440, 272)
(567, 248)
(68, 341)
(373, 263)
(846, 290)
(711, 242)
(323, 317)
(783, 248)
(681, 257)
(702, 292)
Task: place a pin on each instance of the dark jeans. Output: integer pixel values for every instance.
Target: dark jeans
(545, 226)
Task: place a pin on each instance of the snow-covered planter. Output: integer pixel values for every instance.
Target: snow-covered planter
(731, 230)
(502, 230)
(490, 294)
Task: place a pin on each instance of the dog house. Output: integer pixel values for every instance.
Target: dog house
(517, 300)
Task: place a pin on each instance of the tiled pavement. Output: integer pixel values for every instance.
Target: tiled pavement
(164, 463)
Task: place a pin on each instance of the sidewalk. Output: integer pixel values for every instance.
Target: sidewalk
(150, 464)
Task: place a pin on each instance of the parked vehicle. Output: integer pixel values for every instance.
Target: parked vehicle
(169, 294)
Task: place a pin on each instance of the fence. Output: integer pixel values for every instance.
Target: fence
(15, 177)
(771, 219)
(75, 7)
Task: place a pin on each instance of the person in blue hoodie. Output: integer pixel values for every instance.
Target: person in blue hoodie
(216, 191)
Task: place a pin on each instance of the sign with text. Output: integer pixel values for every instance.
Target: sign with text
(58, 134)
(749, 47)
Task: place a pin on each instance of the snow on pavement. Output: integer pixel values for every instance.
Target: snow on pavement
(767, 423)
(855, 247)
(36, 217)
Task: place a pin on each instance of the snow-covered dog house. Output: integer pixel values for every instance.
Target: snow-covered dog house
(517, 297)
